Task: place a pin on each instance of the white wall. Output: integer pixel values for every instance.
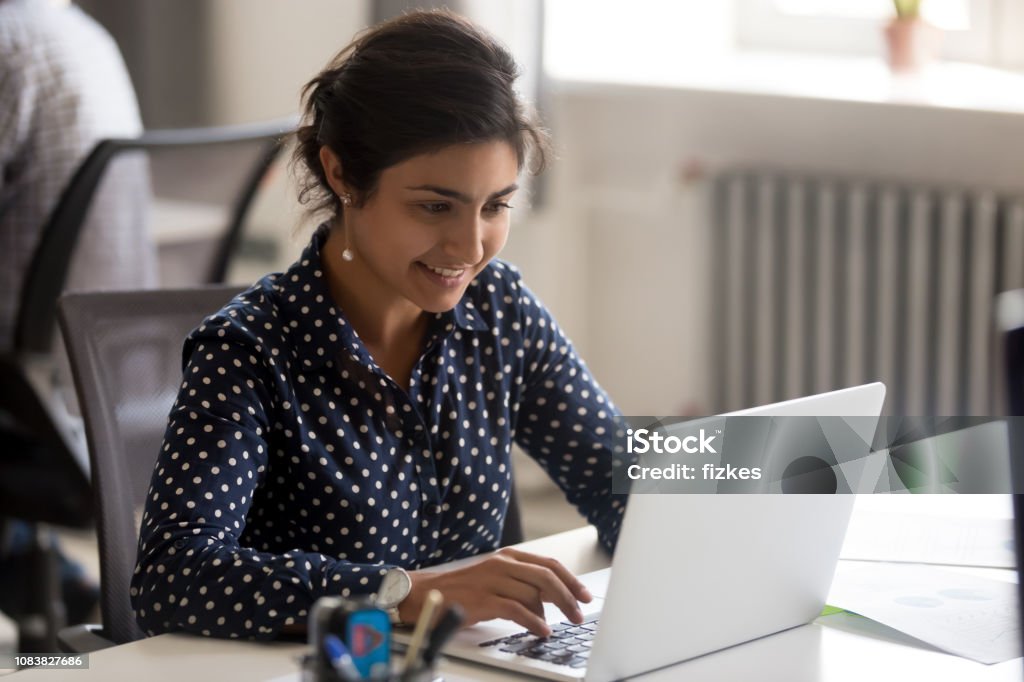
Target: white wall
(619, 252)
(265, 51)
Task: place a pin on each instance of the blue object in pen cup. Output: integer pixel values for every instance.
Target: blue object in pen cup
(368, 636)
(340, 658)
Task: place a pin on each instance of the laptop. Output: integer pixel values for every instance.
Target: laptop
(692, 574)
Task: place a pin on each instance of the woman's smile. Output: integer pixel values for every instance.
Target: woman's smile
(447, 277)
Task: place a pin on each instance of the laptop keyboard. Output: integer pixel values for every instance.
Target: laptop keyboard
(569, 644)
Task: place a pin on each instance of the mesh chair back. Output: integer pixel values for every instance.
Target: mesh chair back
(125, 352)
(192, 188)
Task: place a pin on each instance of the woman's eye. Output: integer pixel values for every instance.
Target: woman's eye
(435, 207)
(497, 207)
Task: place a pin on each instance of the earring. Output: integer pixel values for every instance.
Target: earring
(347, 255)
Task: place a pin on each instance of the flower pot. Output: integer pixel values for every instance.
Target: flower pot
(911, 44)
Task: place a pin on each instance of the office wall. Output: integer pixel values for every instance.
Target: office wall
(203, 62)
(621, 252)
(266, 50)
(166, 47)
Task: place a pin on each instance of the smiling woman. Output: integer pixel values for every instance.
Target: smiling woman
(349, 422)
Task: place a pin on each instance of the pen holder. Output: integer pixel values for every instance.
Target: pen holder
(355, 620)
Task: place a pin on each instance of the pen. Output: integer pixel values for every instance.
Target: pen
(431, 603)
(340, 658)
(442, 632)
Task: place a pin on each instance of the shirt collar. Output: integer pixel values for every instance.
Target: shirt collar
(318, 328)
(463, 316)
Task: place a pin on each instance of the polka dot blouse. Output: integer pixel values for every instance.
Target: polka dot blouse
(293, 467)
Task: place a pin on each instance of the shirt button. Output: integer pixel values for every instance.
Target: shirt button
(180, 543)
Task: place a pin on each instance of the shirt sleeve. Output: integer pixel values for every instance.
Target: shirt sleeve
(565, 420)
(193, 572)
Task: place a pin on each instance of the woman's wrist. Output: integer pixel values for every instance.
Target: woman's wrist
(410, 607)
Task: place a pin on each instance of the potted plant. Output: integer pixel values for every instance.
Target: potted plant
(911, 41)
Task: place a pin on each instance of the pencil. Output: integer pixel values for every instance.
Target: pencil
(430, 604)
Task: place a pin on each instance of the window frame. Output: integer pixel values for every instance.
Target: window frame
(995, 25)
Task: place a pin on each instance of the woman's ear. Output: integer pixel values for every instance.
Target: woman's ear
(332, 170)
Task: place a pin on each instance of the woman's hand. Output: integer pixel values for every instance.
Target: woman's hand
(509, 584)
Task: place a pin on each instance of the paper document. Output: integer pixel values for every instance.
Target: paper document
(887, 536)
(973, 617)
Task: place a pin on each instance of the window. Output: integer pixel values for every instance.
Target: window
(950, 15)
(658, 41)
(612, 39)
(983, 31)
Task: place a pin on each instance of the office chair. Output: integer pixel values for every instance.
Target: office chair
(125, 352)
(216, 173)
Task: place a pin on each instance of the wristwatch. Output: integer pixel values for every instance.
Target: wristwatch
(394, 588)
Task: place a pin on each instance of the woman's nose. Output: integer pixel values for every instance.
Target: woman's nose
(465, 241)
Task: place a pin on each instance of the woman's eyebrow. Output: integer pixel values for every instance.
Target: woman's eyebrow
(459, 196)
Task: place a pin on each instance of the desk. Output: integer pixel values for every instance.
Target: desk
(847, 648)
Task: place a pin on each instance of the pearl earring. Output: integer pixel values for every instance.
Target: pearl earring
(347, 255)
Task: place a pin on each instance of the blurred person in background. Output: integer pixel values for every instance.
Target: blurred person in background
(63, 88)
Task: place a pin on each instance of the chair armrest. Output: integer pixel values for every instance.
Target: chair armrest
(82, 639)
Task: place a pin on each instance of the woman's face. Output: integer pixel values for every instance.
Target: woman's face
(434, 221)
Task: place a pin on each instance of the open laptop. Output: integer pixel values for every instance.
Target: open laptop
(693, 574)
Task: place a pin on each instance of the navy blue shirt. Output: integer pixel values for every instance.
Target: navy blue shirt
(293, 467)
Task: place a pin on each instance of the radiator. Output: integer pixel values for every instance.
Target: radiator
(822, 283)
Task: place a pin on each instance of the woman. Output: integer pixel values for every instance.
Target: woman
(349, 422)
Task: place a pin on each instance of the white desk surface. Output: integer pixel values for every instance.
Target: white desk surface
(847, 648)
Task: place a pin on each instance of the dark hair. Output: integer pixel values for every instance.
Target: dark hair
(408, 86)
